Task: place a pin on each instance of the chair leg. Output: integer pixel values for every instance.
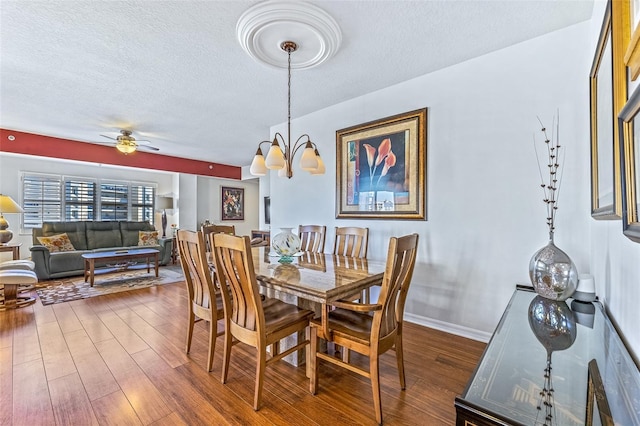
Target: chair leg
(400, 359)
(228, 343)
(261, 364)
(311, 360)
(213, 334)
(190, 330)
(345, 355)
(374, 371)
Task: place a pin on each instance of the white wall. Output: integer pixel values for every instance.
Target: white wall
(486, 217)
(615, 260)
(210, 190)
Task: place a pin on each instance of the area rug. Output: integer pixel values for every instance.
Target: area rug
(74, 288)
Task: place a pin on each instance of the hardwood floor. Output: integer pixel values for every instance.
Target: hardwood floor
(119, 360)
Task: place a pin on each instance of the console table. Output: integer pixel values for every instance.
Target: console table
(593, 377)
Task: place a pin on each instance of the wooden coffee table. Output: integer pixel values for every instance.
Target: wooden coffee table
(119, 256)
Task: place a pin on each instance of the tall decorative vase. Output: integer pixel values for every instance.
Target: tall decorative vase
(286, 244)
(552, 273)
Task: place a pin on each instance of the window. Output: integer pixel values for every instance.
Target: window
(79, 200)
(114, 201)
(142, 199)
(41, 199)
(49, 198)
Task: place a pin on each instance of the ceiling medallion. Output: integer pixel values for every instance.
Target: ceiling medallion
(262, 29)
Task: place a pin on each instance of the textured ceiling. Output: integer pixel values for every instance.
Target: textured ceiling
(174, 72)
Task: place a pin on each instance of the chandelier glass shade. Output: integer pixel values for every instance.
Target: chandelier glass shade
(281, 153)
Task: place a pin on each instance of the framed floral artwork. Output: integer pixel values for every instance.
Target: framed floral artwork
(381, 168)
(232, 203)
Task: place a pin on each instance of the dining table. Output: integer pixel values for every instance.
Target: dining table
(312, 281)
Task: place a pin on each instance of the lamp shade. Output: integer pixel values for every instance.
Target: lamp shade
(163, 203)
(283, 171)
(7, 205)
(308, 161)
(321, 169)
(126, 147)
(275, 157)
(258, 167)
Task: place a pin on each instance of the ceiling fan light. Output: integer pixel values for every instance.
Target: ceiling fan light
(126, 147)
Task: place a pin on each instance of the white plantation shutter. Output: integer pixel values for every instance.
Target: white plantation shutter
(114, 201)
(53, 198)
(41, 200)
(142, 202)
(79, 200)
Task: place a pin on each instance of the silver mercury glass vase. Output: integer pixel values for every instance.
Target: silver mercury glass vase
(552, 273)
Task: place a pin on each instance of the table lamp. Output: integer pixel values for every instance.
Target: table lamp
(7, 205)
(163, 203)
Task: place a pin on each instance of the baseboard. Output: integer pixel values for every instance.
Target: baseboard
(458, 330)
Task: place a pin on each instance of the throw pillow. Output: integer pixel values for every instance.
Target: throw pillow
(147, 238)
(57, 243)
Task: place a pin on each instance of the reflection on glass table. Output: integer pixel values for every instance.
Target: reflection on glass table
(535, 369)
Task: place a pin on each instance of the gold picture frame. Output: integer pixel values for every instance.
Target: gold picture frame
(608, 94)
(597, 402)
(381, 168)
(630, 147)
(632, 55)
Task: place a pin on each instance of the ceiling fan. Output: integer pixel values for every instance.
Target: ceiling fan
(127, 144)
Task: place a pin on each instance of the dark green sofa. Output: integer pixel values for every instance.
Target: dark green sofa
(88, 237)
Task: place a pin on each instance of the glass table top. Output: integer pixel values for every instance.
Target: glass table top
(512, 380)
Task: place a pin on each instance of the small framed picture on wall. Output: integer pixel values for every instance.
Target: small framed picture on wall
(232, 203)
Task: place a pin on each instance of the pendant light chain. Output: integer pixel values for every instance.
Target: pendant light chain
(289, 98)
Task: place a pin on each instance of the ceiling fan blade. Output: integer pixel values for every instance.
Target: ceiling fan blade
(109, 137)
(149, 147)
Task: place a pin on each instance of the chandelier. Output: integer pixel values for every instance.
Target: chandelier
(281, 153)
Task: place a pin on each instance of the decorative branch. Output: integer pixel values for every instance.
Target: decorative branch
(551, 186)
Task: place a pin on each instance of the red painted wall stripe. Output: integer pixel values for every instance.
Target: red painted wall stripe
(47, 146)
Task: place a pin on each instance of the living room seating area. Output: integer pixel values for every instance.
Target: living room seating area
(58, 246)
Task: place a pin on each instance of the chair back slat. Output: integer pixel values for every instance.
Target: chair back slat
(209, 230)
(193, 259)
(401, 258)
(234, 266)
(351, 241)
(312, 238)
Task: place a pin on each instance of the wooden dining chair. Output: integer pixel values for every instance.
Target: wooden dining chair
(312, 238)
(216, 229)
(251, 320)
(372, 329)
(351, 241)
(204, 301)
